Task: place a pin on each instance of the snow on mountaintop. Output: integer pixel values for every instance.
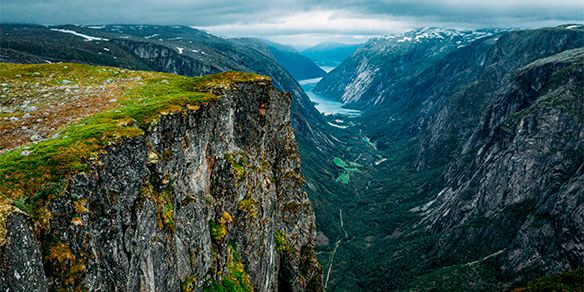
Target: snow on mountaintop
(86, 37)
(433, 33)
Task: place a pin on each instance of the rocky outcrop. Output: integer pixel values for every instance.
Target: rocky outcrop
(209, 197)
(168, 60)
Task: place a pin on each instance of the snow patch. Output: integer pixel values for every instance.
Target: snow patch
(151, 36)
(337, 126)
(106, 49)
(180, 50)
(485, 258)
(86, 37)
(355, 90)
(573, 26)
(422, 208)
(404, 39)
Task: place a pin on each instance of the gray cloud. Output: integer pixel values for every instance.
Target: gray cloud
(299, 22)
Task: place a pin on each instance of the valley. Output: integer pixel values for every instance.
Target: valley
(397, 163)
(436, 159)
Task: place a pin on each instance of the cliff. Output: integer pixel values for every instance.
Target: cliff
(143, 181)
(518, 180)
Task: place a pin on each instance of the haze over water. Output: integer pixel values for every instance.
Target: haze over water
(325, 105)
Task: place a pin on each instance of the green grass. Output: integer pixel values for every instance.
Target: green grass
(140, 106)
(282, 245)
(343, 178)
(340, 162)
(348, 167)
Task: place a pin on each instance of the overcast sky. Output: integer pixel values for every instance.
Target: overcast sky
(300, 22)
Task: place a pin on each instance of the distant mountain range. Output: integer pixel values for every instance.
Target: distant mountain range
(330, 54)
(382, 63)
(299, 66)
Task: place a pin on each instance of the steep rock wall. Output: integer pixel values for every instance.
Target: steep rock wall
(208, 197)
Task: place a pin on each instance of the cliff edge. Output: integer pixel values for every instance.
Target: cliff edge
(114, 179)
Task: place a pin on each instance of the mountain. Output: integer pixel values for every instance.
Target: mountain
(299, 66)
(477, 180)
(463, 172)
(330, 54)
(174, 49)
(137, 180)
(518, 178)
(382, 63)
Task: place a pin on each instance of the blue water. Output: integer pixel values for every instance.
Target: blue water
(323, 104)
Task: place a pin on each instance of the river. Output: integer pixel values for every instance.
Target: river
(326, 106)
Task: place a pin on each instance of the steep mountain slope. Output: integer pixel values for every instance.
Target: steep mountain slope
(440, 105)
(330, 54)
(150, 181)
(299, 66)
(382, 63)
(524, 161)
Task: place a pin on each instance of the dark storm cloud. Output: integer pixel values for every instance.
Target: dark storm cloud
(299, 21)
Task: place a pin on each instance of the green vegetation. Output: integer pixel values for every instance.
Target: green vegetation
(239, 165)
(348, 168)
(219, 229)
(164, 205)
(282, 245)
(569, 281)
(235, 279)
(188, 285)
(64, 264)
(343, 178)
(248, 206)
(25, 171)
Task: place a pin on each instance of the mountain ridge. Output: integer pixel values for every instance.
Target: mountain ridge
(360, 80)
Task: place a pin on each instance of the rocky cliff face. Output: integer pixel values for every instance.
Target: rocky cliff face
(520, 173)
(208, 196)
